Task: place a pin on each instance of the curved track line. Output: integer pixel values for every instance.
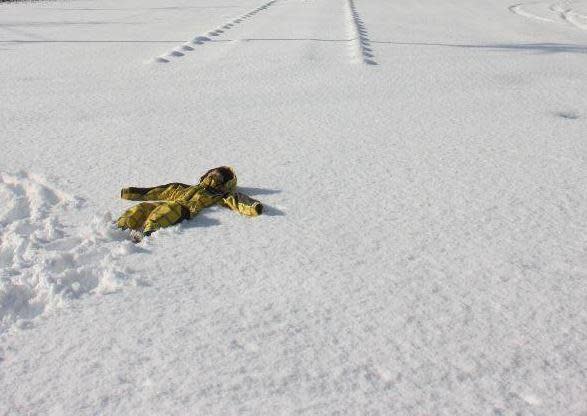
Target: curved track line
(517, 9)
(210, 36)
(574, 18)
(562, 11)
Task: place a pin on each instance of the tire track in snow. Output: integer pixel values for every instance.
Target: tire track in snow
(42, 267)
(210, 36)
(358, 32)
(553, 13)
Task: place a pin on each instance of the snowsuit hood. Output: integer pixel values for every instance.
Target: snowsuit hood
(221, 179)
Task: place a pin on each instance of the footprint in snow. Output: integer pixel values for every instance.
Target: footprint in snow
(568, 115)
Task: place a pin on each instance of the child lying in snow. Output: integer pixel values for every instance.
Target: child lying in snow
(177, 202)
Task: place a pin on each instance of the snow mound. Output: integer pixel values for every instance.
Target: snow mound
(42, 266)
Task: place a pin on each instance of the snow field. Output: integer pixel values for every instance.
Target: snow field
(424, 248)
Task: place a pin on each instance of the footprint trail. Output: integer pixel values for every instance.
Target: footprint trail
(181, 50)
(361, 43)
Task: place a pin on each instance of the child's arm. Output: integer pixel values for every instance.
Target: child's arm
(242, 204)
(156, 193)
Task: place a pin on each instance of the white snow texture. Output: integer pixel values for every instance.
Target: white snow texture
(42, 267)
(423, 248)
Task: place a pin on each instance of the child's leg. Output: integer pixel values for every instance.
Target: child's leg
(135, 217)
(165, 215)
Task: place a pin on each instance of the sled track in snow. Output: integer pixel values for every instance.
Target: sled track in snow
(361, 44)
(181, 50)
(561, 12)
(42, 266)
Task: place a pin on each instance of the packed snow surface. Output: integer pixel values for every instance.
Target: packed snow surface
(424, 244)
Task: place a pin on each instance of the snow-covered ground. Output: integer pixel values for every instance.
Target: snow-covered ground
(423, 166)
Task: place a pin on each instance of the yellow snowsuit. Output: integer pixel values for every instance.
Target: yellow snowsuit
(177, 201)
